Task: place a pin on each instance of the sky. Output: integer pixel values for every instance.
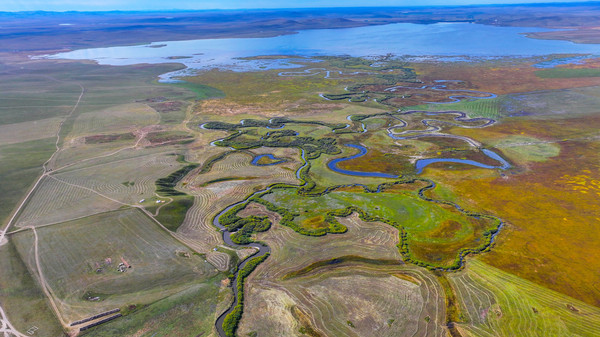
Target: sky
(102, 5)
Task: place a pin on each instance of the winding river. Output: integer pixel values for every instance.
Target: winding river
(332, 165)
(443, 87)
(262, 250)
(422, 163)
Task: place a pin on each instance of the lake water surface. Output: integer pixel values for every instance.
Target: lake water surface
(440, 39)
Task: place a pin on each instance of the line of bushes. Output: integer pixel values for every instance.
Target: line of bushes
(207, 166)
(166, 186)
(313, 147)
(279, 134)
(232, 320)
(273, 123)
(339, 260)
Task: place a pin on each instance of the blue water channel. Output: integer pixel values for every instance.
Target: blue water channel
(332, 165)
(268, 155)
(422, 163)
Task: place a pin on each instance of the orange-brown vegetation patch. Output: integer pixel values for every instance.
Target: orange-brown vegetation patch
(315, 222)
(499, 78)
(407, 278)
(446, 230)
(376, 161)
(406, 100)
(552, 236)
(442, 249)
(555, 130)
(408, 187)
(583, 183)
(591, 63)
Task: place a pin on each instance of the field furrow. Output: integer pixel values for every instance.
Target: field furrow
(501, 304)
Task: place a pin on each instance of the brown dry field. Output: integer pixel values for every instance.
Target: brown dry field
(501, 79)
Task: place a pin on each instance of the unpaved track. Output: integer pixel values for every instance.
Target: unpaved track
(45, 286)
(7, 329)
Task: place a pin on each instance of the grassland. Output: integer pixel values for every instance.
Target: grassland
(496, 303)
(91, 249)
(136, 177)
(523, 136)
(21, 165)
(399, 300)
(25, 303)
(211, 198)
(114, 143)
(490, 108)
(435, 233)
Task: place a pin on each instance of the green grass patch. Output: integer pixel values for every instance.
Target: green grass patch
(172, 214)
(412, 212)
(81, 257)
(523, 148)
(489, 107)
(200, 90)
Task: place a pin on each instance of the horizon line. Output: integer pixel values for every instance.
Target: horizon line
(533, 4)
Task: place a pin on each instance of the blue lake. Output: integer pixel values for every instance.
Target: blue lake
(441, 39)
